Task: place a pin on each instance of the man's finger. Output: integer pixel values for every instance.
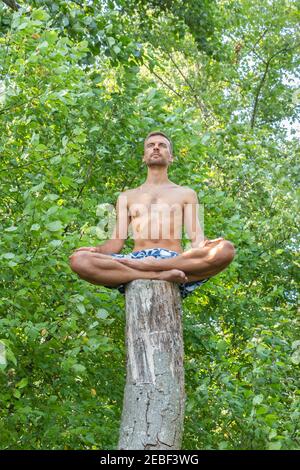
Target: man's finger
(203, 243)
(86, 248)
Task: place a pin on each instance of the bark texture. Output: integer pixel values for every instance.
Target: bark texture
(154, 396)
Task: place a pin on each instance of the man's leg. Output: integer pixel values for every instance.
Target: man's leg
(197, 263)
(99, 270)
(199, 276)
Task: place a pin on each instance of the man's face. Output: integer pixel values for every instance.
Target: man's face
(157, 151)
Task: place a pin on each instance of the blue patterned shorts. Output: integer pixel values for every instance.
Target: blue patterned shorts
(162, 253)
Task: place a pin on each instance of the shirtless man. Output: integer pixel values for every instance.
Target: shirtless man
(149, 209)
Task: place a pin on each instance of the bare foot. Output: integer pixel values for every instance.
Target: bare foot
(144, 264)
(173, 275)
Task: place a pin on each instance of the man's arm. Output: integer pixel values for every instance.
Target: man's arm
(120, 232)
(191, 219)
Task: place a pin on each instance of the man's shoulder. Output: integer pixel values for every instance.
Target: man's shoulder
(188, 191)
(126, 196)
(128, 192)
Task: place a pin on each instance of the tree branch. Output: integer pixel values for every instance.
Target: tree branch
(203, 109)
(165, 83)
(12, 4)
(263, 79)
(260, 85)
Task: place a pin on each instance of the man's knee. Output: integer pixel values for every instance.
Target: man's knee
(227, 251)
(80, 262)
(223, 253)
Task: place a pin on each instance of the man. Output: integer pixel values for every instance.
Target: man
(156, 212)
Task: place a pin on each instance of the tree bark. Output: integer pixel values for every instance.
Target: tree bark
(154, 396)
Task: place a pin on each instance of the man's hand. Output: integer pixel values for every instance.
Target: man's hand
(207, 242)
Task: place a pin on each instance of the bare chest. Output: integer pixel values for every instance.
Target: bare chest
(163, 201)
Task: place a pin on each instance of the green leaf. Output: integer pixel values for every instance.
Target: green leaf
(37, 187)
(23, 382)
(79, 368)
(223, 445)
(54, 226)
(55, 243)
(55, 160)
(35, 227)
(102, 313)
(17, 394)
(262, 410)
(111, 41)
(8, 255)
(295, 358)
(205, 138)
(258, 399)
(81, 308)
(51, 197)
(275, 445)
(40, 15)
(272, 434)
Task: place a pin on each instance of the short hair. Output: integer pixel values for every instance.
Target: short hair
(164, 135)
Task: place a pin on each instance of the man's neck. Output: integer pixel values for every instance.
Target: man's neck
(157, 177)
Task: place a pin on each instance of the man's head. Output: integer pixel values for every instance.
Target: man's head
(157, 149)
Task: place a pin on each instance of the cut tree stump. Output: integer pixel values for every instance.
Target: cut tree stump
(154, 396)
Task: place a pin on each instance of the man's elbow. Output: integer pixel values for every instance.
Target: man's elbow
(118, 245)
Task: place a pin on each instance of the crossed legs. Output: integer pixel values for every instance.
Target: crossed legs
(197, 263)
(107, 271)
(192, 265)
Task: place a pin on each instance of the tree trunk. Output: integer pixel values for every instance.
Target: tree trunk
(154, 396)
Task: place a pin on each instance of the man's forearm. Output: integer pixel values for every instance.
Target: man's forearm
(110, 246)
